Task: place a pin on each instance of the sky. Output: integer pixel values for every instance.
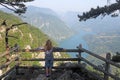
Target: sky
(69, 5)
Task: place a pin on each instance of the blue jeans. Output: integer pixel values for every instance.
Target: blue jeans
(48, 63)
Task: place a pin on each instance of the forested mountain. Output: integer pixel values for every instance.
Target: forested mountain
(104, 42)
(47, 21)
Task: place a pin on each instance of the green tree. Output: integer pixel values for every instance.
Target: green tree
(106, 10)
(16, 6)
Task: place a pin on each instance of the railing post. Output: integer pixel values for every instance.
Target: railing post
(7, 54)
(107, 66)
(79, 54)
(17, 66)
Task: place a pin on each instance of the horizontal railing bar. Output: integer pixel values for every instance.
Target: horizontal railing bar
(7, 73)
(99, 57)
(113, 76)
(57, 50)
(7, 63)
(55, 59)
(2, 55)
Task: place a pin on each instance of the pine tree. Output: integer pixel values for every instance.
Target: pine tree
(106, 10)
(16, 6)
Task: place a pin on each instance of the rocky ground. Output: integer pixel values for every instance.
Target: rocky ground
(72, 71)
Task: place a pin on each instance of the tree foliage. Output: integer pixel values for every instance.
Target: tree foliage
(106, 10)
(16, 6)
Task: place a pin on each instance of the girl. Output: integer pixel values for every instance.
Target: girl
(48, 57)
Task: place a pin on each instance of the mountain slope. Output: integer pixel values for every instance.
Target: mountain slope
(27, 37)
(26, 34)
(104, 42)
(47, 21)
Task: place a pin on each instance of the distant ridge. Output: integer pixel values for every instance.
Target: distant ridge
(41, 10)
(47, 21)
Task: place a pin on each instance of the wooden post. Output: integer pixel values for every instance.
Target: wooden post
(17, 69)
(7, 53)
(79, 54)
(17, 63)
(17, 66)
(107, 66)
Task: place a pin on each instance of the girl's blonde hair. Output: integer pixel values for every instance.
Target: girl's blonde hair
(48, 45)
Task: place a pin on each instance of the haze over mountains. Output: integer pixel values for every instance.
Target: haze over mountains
(47, 21)
(61, 26)
(100, 24)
